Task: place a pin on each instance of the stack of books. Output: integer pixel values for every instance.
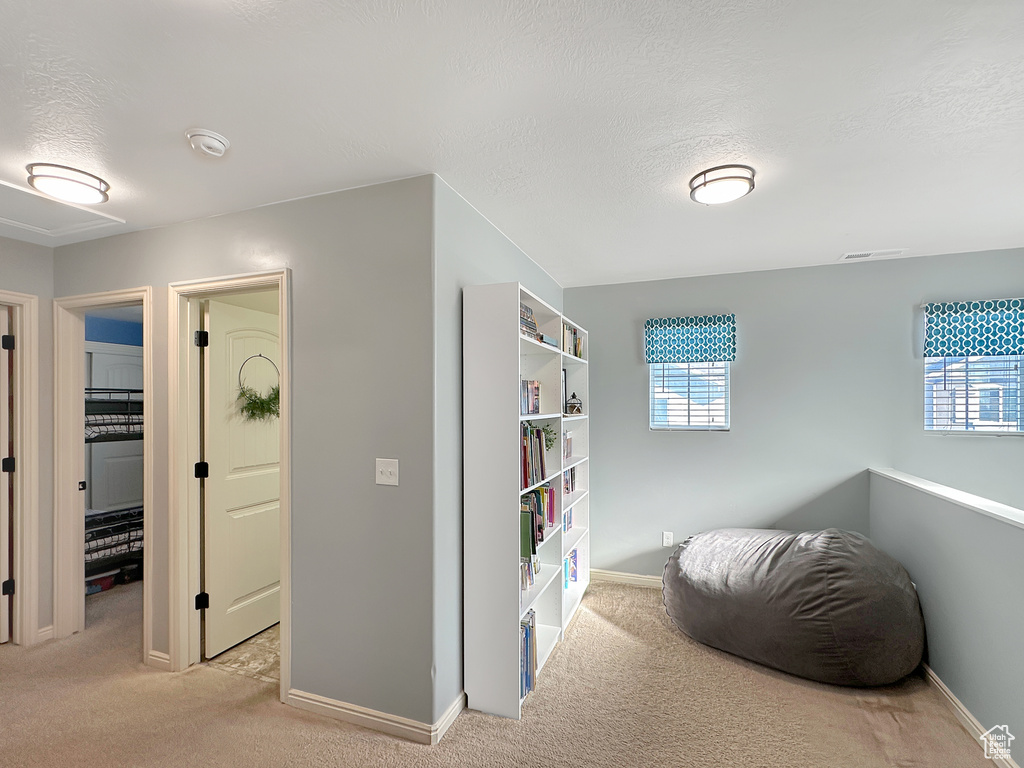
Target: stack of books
(529, 562)
(566, 444)
(572, 341)
(567, 520)
(527, 325)
(528, 653)
(541, 503)
(569, 481)
(529, 398)
(534, 469)
(570, 571)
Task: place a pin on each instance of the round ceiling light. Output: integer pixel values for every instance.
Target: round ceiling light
(722, 184)
(68, 184)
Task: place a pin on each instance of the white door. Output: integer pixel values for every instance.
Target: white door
(114, 470)
(241, 555)
(5, 482)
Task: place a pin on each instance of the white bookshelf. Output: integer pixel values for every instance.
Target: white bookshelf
(496, 357)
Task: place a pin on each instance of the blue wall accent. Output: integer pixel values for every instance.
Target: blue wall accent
(113, 331)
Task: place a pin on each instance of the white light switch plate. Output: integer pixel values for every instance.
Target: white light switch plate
(387, 472)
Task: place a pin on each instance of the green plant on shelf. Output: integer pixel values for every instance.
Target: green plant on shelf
(550, 435)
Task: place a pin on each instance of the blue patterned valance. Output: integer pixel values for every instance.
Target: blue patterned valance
(705, 339)
(974, 328)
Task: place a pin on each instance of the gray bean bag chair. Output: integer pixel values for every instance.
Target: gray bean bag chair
(825, 605)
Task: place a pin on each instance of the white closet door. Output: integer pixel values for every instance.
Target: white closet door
(241, 557)
(5, 481)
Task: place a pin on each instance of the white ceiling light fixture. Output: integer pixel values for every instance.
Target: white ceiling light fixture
(208, 142)
(68, 184)
(722, 184)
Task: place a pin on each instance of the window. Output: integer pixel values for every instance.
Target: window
(973, 393)
(972, 373)
(689, 365)
(690, 395)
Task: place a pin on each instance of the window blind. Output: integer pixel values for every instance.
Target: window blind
(689, 396)
(989, 328)
(696, 339)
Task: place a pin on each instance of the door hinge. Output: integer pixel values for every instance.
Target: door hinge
(202, 338)
(82, 485)
(7, 465)
(202, 601)
(7, 588)
(7, 341)
(202, 470)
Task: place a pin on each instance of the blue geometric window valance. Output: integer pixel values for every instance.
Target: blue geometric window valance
(704, 339)
(974, 328)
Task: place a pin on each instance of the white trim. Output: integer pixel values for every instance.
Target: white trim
(69, 361)
(159, 660)
(1002, 512)
(967, 720)
(183, 446)
(413, 730)
(44, 634)
(26, 479)
(636, 579)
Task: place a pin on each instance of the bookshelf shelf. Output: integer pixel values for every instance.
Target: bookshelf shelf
(573, 461)
(545, 579)
(507, 629)
(573, 537)
(568, 502)
(539, 416)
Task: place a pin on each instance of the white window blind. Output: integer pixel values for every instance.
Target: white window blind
(976, 393)
(690, 396)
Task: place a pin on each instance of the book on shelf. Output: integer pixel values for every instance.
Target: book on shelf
(529, 397)
(534, 462)
(567, 520)
(566, 444)
(569, 481)
(573, 561)
(572, 341)
(565, 395)
(541, 503)
(527, 653)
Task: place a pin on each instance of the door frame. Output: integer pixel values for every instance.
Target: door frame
(25, 533)
(184, 392)
(69, 463)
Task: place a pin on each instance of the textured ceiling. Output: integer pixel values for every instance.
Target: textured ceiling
(573, 126)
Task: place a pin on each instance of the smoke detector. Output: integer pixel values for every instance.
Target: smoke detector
(208, 142)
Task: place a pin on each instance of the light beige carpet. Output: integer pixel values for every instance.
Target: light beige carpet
(624, 689)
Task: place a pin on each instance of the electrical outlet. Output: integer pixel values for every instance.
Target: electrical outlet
(666, 538)
(387, 472)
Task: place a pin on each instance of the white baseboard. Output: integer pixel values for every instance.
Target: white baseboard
(159, 660)
(44, 633)
(967, 720)
(413, 730)
(636, 579)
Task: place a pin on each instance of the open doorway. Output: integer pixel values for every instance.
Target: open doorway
(114, 461)
(230, 476)
(103, 466)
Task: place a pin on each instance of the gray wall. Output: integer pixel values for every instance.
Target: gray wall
(27, 268)
(468, 250)
(969, 571)
(362, 368)
(828, 380)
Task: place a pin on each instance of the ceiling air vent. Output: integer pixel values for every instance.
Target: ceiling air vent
(861, 255)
